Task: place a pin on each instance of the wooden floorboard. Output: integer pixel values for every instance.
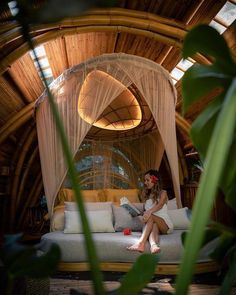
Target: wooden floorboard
(63, 286)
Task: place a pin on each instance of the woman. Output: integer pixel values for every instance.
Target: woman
(155, 217)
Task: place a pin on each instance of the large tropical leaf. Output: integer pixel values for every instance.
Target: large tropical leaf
(207, 40)
(139, 276)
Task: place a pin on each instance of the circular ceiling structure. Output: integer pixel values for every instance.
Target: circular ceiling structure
(123, 113)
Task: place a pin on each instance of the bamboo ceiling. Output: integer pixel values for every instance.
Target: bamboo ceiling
(151, 29)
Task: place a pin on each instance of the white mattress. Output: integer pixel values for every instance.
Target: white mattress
(111, 247)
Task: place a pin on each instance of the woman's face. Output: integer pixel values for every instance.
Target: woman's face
(148, 181)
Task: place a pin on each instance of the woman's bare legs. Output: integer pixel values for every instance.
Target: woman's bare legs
(140, 245)
(152, 228)
(154, 239)
(159, 226)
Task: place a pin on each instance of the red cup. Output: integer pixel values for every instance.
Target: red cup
(127, 231)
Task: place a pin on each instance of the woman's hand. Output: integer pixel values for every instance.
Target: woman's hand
(146, 215)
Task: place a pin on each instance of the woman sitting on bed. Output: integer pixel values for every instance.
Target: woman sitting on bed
(155, 217)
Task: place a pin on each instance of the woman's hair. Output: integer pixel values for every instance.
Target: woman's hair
(155, 191)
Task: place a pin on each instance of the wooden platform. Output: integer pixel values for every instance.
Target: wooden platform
(62, 287)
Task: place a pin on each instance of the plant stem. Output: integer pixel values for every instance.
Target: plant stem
(215, 160)
(91, 251)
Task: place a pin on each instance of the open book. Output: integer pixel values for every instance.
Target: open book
(125, 203)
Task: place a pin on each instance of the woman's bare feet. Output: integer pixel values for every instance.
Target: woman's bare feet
(155, 248)
(137, 247)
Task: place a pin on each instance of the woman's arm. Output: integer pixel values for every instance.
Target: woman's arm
(163, 199)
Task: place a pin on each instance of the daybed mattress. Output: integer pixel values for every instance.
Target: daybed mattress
(111, 247)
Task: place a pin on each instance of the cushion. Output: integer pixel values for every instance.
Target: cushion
(58, 218)
(100, 221)
(111, 247)
(180, 218)
(89, 206)
(171, 205)
(67, 194)
(122, 219)
(114, 195)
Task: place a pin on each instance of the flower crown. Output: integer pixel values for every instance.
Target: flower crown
(154, 179)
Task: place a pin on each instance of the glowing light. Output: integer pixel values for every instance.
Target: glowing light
(123, 113)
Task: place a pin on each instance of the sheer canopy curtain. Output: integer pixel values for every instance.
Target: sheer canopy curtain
(151, 80)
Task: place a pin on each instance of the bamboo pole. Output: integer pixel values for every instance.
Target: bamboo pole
(182, 123)
(181, 175)
(26, 172)
(95, 16)
(21, 121)
(183, 163)
(38, 184)
(14, 118)
(20, 163)
(6, 62)
(14, 199)
(20, 144)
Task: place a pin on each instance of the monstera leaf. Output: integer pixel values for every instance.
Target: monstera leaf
(213, 134)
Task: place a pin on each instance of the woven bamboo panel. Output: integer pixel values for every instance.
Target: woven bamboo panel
(10, 101)
(27, 78)
(81, 47)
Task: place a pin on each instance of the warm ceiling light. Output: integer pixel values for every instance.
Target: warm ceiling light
(124, 111)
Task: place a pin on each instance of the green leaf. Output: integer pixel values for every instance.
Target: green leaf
(230, 195)
(207, 40)
(139, 276)
(225, 243)
(183, 237)
(217, 153)
(210, 235)
(202, 127)
(200, 80)
(36, 266)
(13, 248)
(230, 277)
(201, 135)
(228, 181)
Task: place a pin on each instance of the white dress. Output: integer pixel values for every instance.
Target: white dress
(163, 213)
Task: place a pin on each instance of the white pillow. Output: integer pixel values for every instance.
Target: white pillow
(100, 221)
(171, 204)
(90, 206)
(179, 218)
(58, 220)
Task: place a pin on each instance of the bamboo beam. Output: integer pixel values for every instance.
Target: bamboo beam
(183, 163)
(21, 121)
(119, 16)
(182, 123)
(36, 188)
(164, 269)
(14, 198)
(14, 118)
(6, 62)
(20, 144)
(26, 172)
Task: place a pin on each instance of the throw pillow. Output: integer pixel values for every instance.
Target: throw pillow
(122, 220)
(100, 221)
(172, 205)
(89, 206)
(114, 195)
(57, 222)
(179, 218)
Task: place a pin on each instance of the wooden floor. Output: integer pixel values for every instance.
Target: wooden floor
(63, 286)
